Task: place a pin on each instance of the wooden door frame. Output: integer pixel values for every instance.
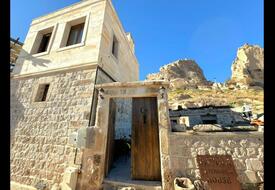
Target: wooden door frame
(128, 90)
(110, 134)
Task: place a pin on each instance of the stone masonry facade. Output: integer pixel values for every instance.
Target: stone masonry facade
(245, 148)
(40, 149)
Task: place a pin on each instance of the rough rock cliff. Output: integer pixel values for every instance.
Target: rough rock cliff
(189, 88)
(248, 67)
(181, 74)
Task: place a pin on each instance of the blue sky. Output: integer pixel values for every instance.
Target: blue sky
(209, 32)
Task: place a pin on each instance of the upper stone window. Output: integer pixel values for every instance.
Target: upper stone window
(75, 35)
(42, 92)
(115, 47)
(74, 32)
(42, 41)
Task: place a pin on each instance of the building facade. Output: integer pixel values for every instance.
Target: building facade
(222, 115)
(65, 54)
(73, 94)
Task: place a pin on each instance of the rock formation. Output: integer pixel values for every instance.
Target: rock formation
(189, 87)
(248, 67)
(181, 74)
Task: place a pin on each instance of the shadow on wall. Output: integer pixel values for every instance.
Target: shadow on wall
(17, 108)
(35, 61)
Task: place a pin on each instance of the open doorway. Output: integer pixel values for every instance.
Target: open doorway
(133, 140)
(118, 153)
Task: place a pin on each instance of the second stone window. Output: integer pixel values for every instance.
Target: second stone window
(75, 35)
(115, 47)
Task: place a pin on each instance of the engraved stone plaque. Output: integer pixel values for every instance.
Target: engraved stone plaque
(218, 171)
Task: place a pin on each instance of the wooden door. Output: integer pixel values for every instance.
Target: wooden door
(145, 156)
(110, 137)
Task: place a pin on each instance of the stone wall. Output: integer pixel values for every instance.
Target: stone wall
(88, 178)
(125, 66)
(224, 115)
(245, 148)
(123, 121)
(40, 150)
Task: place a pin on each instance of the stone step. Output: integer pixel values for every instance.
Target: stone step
(131, 185)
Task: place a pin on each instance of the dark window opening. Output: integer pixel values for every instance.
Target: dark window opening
(42, 93)
(115, 47)
(209, 119)
(174, 122)
(44, 43)
(75, 35)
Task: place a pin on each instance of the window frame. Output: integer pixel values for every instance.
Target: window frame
(85, 18)
(115, 39)
(38, 37)
(79, 28)
(43, 43)
(42, 92)
(115, 47)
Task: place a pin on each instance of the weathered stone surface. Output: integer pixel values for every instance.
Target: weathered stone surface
(69, 178)
(251, 176)
(201, 185)
(244, 148)
(207, 127)
(254, 164)
(242, 128)
(43, 128)
(248, 67)
(18, 186)
(183, 184)
(178, 128)
(181, 74)
(261, 176)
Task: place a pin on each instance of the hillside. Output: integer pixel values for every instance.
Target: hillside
(236, 98)
(190, 88)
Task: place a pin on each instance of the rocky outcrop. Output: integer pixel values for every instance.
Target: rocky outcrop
(181, 74)
(189, 87)
(248, 67)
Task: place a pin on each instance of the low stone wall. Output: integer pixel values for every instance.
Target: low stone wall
(224, 116)
(246, 149)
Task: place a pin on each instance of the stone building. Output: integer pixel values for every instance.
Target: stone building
(222, 115)
(75, 94)
(15, 48)
(158, 154)
(65, 54)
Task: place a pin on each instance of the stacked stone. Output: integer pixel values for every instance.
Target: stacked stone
(40, 149)
(246, 151)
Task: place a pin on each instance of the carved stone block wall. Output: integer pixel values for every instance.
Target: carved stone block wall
(246, 150)
(40, 150)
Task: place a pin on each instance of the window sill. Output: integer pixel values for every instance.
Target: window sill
(40, 104)
(40, 54)
(71, 47)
